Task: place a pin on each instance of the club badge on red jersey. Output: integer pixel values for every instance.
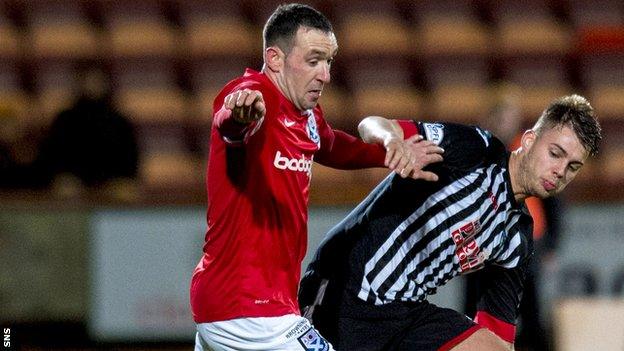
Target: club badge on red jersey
(312, 129)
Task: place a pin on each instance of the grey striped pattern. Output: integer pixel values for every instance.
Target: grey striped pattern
(420, 255)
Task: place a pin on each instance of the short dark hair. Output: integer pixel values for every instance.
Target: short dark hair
(576, 112)
(281, 27)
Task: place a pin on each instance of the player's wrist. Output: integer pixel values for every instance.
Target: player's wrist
(390, 140)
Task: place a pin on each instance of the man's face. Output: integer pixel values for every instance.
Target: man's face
(553, 159)
(306, 67)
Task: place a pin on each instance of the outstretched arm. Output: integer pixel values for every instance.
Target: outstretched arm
(343, 151)
(390, 134)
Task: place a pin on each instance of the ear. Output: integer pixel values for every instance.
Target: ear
(274, 58)
(528, 139)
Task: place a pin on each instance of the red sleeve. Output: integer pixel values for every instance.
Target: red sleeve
(409, 128)
(348, 152)
(504, 330)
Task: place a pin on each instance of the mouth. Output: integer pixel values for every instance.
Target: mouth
(548, 185)
(316, 93)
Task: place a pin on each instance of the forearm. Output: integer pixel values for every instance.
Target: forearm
(379, 130)
(406, 152)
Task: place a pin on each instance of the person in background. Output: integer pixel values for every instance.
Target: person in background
(91, 145)
(18, 152)
(367, 286)
(505, 122)
(267, 130)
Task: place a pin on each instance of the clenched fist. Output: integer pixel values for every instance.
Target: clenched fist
(246, 105)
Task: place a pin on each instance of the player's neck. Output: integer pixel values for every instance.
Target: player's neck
(516, 176)
(279, 83)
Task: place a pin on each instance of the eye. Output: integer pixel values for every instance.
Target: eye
(554, 154)
(313, 62)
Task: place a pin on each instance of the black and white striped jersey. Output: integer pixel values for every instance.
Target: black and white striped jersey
(409, 237)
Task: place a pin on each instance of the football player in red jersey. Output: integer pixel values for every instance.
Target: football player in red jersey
(267, 130)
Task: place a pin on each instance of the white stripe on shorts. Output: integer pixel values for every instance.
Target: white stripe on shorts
(285, 333)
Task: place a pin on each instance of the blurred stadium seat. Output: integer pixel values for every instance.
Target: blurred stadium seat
(217, 28)
(372, 28)
(532, 37)
(171, 170)
(148, 91)
(460, 103)
(402, 102)
(453, 36)
(382, 86)
(450, 28)
(585, 13)
(13, 100)
(11, 40)
(60, 29)
(139, 28)
(528, 28)
(375, 35)
(425, 60)
(603, 75)
(614, 164)
(542, 79)
(459, 88)
(55, 87)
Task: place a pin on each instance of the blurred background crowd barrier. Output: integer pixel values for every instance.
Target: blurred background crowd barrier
(161, 63)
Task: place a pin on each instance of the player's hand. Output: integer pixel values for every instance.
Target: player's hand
(246, 105)
(424, 153)
(408, 157)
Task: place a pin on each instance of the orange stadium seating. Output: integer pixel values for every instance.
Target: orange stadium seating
(429, 60)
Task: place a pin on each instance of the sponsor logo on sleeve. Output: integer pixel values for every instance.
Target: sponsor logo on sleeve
(434, 132)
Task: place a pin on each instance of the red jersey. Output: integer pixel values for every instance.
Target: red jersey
(258, 182)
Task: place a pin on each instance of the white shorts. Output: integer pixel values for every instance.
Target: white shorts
(284, 333)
